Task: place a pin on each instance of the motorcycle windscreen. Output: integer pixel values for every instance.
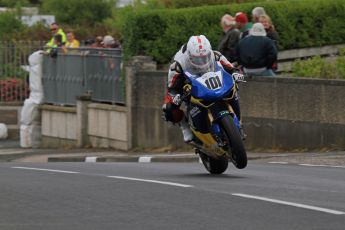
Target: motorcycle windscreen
(211, 86)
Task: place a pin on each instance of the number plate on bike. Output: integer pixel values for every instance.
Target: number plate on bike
(211, 80)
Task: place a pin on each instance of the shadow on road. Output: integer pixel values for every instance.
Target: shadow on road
(207, 175)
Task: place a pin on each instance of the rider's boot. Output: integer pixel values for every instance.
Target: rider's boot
(186, 131)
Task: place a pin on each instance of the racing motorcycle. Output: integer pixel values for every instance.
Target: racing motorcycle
(223, 142)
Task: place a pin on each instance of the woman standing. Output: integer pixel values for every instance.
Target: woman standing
(270, 33)
(269, 27)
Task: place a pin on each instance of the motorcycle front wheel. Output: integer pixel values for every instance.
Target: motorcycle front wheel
(234, 142)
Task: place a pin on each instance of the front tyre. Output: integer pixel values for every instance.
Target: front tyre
(235, 145)
(214, 166)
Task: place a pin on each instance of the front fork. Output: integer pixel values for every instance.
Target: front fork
(215, 116)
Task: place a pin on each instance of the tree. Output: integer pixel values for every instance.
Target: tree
(13, 3)
(9, 24)
(35, 2)
(79, 12)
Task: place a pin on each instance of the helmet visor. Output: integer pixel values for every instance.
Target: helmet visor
(202, 64)
(200, 60)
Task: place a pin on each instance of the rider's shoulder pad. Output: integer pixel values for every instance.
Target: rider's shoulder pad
(175, 66)
(217, 55)
(184, 48)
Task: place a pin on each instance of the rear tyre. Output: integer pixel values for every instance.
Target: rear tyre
(214, 166)
(235, 145)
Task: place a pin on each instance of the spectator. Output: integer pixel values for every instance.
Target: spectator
(231, 36)
(54, 28)
(242, 24)
(97, 43)
(71, 41)
(271, 33)
(257, 53)
(58, 44)
(269, 27)
(257, 12)
(109, 42)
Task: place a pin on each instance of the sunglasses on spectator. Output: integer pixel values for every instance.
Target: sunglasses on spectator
(53, 29)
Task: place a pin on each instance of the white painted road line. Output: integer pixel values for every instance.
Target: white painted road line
(310, 165)
(336, 166)
(144, 159)
(90, 159)
(152, 181)
(278, 162)
(47, 170)
(327, 166)
(330, 211)
(306, 165)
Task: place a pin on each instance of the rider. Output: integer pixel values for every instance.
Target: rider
(198, 58)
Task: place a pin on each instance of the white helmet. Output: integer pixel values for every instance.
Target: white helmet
(201, 57)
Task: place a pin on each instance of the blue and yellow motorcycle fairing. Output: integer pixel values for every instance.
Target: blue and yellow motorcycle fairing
(223, 141)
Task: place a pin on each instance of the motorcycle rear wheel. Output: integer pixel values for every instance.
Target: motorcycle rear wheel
(212, 165)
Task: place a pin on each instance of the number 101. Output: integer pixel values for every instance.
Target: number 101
(213, 82)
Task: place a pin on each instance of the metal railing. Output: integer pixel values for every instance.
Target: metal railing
(80, 71)
(14, 69)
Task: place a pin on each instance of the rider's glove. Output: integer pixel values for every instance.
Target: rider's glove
(238, 77)
(177, 99)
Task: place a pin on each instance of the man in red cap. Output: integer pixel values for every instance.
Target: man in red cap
(242, 23)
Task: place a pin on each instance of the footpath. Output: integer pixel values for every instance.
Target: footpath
(10, 151)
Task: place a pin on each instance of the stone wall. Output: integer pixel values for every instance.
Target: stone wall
(145, 93)
(87, 124)
(107, 126)
(59, 126)
(10, 115)
(279, 113)
(291, 113)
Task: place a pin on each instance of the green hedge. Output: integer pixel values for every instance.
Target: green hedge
(160, 33)
(194, 3)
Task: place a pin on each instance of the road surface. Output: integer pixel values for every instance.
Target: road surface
(170, 196)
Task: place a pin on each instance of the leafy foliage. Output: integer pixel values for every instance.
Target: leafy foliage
(317, 67)
(194, 3)
(79, 12)
(13, 90)
(120, 15)
(9, 24)
(160, 33)
(13, 3)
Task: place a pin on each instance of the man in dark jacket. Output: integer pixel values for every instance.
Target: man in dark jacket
(257, 53)
(230, 39)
